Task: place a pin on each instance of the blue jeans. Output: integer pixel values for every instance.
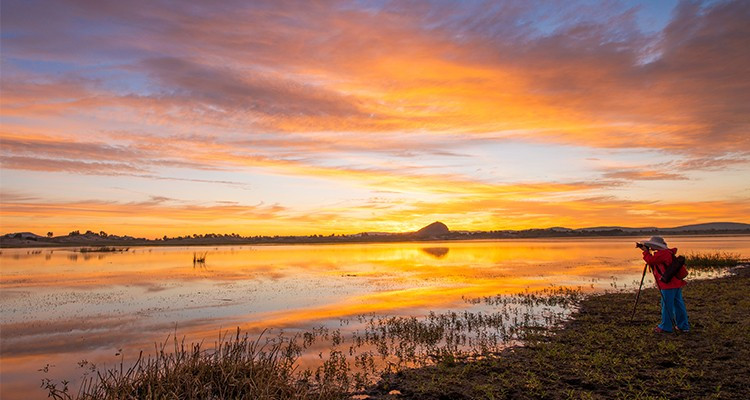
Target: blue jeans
(673, 306)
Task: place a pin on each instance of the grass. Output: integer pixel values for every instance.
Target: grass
(598, 354)
(712, 260)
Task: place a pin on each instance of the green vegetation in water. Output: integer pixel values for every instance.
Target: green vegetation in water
(712, 260)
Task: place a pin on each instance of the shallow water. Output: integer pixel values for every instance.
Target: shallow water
(60, 306)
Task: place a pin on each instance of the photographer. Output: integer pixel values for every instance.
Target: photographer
(673, 312)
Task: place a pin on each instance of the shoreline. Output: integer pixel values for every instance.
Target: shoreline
(27, 244)
(598, 353)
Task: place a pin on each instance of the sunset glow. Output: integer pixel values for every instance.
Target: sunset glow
(152, 118)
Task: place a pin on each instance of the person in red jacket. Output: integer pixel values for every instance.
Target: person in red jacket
(673, 311)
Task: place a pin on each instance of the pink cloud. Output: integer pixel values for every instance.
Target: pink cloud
(343, 69)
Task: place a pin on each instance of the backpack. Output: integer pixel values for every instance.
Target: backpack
(675, 270)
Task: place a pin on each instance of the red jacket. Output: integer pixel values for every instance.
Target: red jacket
(659, 261)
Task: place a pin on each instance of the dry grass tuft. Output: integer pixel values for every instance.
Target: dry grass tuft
(238, 368)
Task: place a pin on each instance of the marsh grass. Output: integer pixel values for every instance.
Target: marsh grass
(712, 260)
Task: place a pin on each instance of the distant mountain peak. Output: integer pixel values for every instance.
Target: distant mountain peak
(434, 229)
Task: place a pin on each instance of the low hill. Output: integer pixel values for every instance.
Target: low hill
(718, 226)
(23, 236)
(707, 227)
(434, 229)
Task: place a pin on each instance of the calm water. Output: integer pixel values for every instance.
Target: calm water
(60, 306)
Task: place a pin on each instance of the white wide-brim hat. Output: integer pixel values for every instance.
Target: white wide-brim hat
(656, 242)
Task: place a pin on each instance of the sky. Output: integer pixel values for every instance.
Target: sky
(280, 117)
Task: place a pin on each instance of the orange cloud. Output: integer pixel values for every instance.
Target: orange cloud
(385, 71)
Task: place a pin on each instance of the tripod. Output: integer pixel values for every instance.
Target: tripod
(638, 296)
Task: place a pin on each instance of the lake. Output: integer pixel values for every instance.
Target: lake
(61, 306)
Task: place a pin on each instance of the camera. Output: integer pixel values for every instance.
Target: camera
(641, 246)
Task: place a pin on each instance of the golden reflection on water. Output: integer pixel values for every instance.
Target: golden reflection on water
(60, 306)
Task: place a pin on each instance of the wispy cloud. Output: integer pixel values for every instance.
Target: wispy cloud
(340, 68)
(642, 175)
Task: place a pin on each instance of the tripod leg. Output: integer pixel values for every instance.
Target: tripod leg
(638, 296)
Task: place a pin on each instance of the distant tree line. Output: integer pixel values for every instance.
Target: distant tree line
(211, 238)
